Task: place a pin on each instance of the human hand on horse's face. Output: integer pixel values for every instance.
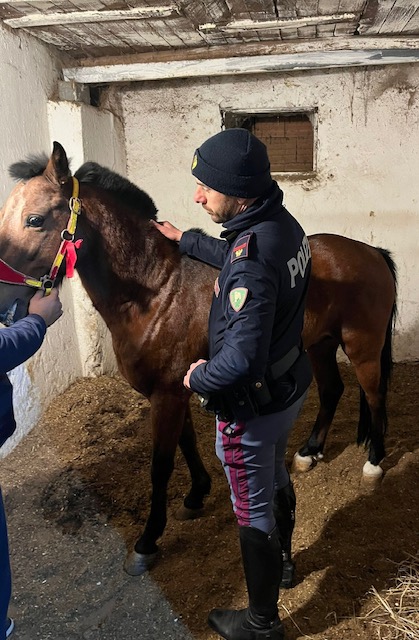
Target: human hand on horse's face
(48, 307)
(193, 366)
(168, 230)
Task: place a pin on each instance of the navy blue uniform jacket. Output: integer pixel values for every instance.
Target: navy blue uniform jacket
(17, 344)
(265, 259)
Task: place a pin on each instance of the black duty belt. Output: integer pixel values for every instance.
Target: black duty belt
(247, 401)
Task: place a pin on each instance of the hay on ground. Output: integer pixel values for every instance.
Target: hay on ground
(396, 614)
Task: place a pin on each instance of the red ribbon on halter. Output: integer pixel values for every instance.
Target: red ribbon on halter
(67, 249)
(71, 257)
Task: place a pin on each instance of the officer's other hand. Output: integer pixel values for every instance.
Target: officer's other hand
(48, 307)
(168, 230)
(193, 366)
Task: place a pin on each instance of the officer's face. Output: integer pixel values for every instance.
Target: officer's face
(219, 206)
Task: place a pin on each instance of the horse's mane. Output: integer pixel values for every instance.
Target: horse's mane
(133, 196)
(91, 173)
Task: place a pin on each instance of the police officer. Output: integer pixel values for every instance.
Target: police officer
(257, 375)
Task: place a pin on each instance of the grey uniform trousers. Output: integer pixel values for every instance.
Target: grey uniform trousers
(253, 456)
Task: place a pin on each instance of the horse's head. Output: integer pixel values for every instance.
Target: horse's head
(31, 222)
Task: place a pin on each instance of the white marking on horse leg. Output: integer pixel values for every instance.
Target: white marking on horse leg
(301, 464)
(371, 475)
(372, 469)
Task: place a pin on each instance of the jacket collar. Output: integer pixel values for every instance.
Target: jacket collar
(262, 209)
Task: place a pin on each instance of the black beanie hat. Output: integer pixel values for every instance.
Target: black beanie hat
(235, 163)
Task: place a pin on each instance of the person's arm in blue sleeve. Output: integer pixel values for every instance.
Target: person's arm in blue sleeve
(244, 355)
(20, 341)
(212, 251)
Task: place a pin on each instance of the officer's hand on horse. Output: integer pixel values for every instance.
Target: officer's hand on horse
(168, 230)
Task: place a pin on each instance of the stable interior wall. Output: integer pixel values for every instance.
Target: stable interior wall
(32, 117)
(29, 74)
(367, 152)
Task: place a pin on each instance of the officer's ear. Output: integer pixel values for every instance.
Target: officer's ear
(246, 202)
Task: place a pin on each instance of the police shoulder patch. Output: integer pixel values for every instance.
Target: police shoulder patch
(241, 247)
(238, 297)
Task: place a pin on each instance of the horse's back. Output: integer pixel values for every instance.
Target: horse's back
(345, 259)
(352, 289)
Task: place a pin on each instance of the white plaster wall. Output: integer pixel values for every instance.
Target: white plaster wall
(79, 343)
(367, 156)
(28, 75)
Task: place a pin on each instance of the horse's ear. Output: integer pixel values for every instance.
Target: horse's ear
(57, 169)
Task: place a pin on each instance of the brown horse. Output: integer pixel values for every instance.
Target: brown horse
(156, 304)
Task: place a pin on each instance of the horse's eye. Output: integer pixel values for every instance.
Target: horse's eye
(34, 221)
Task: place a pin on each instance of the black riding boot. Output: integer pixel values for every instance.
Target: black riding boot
(262, 563)
(284, 512)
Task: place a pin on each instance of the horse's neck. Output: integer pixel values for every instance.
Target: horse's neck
(123, 262)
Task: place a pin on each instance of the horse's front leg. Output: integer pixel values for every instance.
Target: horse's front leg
(201, 481)
(167, 420)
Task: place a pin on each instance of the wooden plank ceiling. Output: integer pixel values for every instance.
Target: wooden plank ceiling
(106, 32)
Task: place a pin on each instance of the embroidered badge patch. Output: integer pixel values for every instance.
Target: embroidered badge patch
(238, 297)
(194, 161)
(241, 248)
(216, 288)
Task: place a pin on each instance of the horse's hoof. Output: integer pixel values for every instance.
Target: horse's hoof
(301, 464)
(372, 475)
(138, 563)
(184, 513)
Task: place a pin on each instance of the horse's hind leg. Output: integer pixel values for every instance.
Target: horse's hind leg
(330, 388)
(201, 481)
(167, 420)
(372, 419)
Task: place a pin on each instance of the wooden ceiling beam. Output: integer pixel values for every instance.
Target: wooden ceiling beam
(257, 64)
(83, 17)
(283, 23)
(267, 47)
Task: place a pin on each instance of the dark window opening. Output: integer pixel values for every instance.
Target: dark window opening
(289, 138)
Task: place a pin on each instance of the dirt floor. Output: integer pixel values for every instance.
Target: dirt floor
(77, 493)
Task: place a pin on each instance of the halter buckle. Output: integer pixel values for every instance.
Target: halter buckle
(47, 284)
(66, 235)
(75, 205)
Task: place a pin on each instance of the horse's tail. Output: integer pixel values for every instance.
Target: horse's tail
(364, 426)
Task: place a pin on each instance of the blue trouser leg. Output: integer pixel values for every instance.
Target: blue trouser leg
(253, 457)
(5, 574)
